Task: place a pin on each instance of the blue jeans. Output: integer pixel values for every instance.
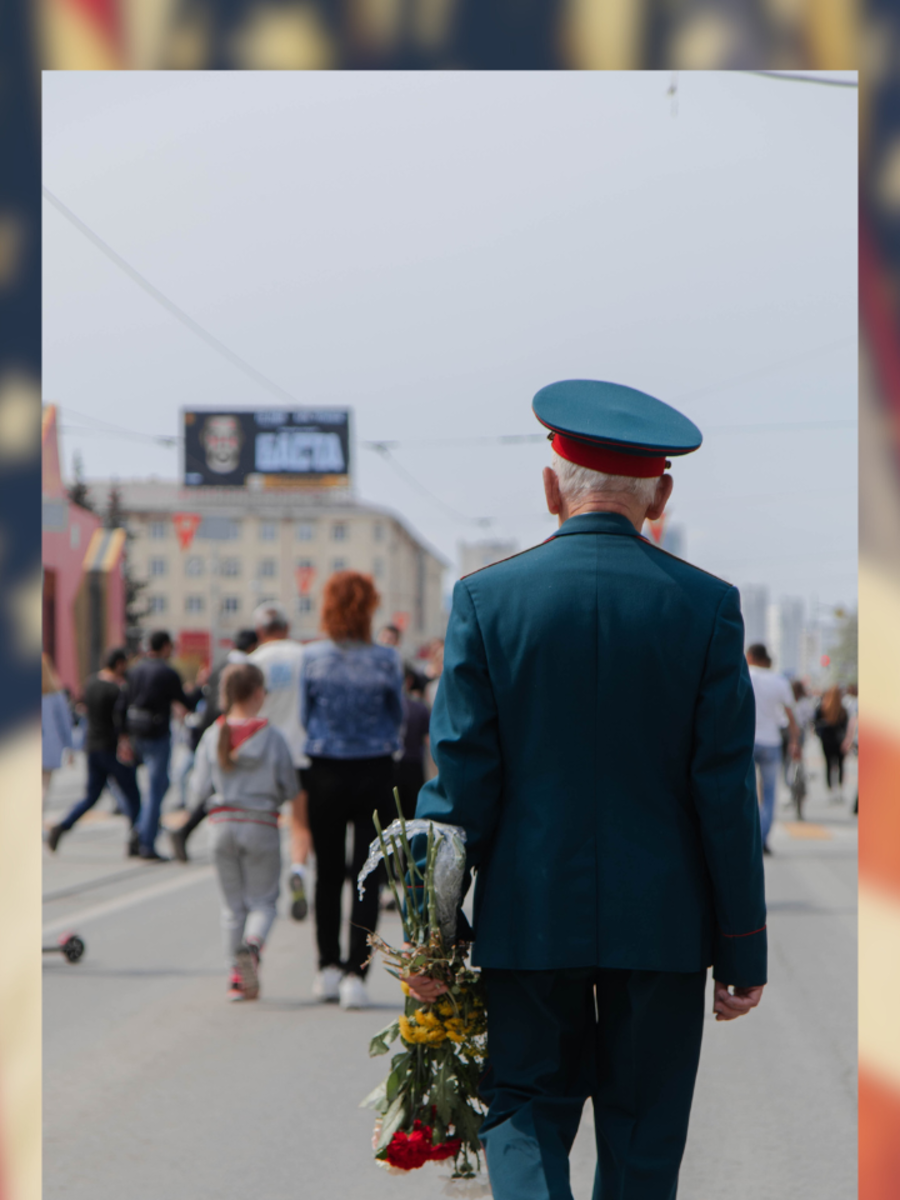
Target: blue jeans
(102, 767)
(156, 753)
(767, 758)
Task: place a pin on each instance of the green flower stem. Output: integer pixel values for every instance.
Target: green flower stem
(390, 873)
(412, 866)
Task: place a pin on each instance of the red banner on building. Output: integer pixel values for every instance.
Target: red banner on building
(186, 525)
(194, 643)
(305, 577)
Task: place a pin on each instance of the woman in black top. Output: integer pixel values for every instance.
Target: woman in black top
(101, 699)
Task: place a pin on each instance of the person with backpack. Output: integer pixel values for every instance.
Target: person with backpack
(146, 701)
(244, 772)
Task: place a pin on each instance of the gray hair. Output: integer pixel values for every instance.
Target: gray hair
(270, 617)
(578, 483)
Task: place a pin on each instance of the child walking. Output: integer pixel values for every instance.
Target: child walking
(243, 763)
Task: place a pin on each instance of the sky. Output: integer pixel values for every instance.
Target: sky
(430, 249)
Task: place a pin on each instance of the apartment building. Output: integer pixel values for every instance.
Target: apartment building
(248, 547)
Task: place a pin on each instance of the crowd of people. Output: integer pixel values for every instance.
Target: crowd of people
(324, 731)
(785, 714)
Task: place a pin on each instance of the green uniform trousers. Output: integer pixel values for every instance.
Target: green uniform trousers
(629, 1040)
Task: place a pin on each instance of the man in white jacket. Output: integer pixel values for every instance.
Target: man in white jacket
(279, 658)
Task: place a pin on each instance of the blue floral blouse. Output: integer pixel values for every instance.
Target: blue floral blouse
(350, 699)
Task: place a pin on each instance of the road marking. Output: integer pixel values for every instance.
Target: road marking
(807, 829)
(111, 906)
(76, 888)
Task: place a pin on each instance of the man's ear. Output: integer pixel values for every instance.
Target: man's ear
(551, 491)
(661, 499)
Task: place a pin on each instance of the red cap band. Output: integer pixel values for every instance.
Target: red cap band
(610, 462)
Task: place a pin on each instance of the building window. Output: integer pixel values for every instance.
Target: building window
(219, 529)
(378, 568)
(305, 564)
(339, 564)
(378, 531)
(267, 568)
(268, 531)
(156, 604)
(157, 530)
(194, 604)
(339, 532)
(231, 604)
(193, 565)
(230, 566)
(305, 531)
(304, 604)
(157, 566)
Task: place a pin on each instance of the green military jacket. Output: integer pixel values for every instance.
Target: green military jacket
(593, 733)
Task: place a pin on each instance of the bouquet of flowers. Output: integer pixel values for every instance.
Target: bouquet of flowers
(428, 1104)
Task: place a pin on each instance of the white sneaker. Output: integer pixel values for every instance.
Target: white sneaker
(353, 992)
(327, 983)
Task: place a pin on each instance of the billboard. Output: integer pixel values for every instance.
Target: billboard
(267, 447)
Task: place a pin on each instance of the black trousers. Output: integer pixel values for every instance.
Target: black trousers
(831, 737)
(342, 792)
(102, 766)
(408, 779)
(629, 1040)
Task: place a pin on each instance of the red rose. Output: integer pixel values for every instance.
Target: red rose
(444, 1150)
(410, 1151)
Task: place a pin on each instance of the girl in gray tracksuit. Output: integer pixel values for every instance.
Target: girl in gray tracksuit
(244, 771)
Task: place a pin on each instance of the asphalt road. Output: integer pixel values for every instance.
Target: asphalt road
(155, 1087)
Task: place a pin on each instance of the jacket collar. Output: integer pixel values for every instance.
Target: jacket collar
(597, 522)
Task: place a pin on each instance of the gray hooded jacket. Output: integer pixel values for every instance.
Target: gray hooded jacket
(263, 777)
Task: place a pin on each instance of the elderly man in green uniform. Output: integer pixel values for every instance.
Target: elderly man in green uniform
(593, 733)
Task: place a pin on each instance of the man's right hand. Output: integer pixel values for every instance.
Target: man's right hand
(727, 1005)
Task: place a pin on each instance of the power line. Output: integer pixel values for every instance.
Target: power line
(384, 452)
(167, 304)
(735, 380)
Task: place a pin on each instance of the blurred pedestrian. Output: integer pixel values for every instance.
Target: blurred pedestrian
(433, 669)
(104, 745)
(831, 727)
(352, 709)
(245, 642)
(280, 659)
(390, 635)
(410, 768)
(243, 764)
(773, 694)
(804, 709)
(56, 723)
(152, 687)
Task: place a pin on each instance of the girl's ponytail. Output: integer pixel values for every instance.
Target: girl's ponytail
(239, 682)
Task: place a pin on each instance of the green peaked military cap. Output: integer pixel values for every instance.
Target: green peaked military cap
(613, 428)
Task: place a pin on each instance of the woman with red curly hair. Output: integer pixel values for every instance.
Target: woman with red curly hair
(351, 707)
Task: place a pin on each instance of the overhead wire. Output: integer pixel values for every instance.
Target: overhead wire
(383, 448)
(180, 315)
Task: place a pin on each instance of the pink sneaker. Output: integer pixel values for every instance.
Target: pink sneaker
(235, 987)
(246, 961)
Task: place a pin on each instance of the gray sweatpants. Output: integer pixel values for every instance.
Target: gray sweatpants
(248, 862)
